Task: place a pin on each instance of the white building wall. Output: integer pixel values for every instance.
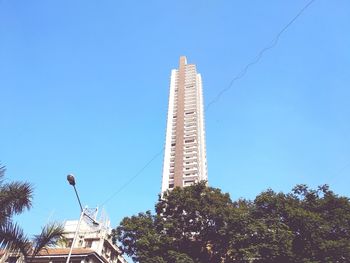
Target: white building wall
(194, 152)
(170, 121)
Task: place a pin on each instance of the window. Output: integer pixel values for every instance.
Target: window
(69, 242)
(171, 185)
(187, 183)
(88, 243)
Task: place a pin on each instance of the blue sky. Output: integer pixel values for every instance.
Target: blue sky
(84, 90)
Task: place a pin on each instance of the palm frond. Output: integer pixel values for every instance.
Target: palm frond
(15, 197)
(2, 173)
(13, 239)
(49, 236)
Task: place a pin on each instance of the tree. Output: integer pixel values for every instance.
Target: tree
(306, 225)
(192, 224)
(202, 224)
(15, 198)
(197, 221)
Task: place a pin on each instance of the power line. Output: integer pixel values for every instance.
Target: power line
(132, 178)
(241, 74)
(339, 172)
(258, 57)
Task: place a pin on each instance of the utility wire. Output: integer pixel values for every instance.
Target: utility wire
(339, 172)
(132, 178)
(258, 57)
(241, 74)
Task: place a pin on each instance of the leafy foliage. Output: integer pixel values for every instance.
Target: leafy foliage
(49, 236)
(202, 224)
(15, 198)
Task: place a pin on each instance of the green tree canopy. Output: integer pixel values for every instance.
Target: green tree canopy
(202, 224)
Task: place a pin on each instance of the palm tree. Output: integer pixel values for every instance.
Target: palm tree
(15, 198)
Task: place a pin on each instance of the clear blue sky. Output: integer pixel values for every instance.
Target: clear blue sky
(84, 90)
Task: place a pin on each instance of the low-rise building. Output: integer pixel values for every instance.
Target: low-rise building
(93, 237)
(93, 244)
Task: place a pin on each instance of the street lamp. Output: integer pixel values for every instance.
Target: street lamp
(71, 181)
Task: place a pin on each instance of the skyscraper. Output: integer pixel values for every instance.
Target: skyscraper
(185, 159)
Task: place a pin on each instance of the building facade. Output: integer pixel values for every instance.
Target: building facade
(94, 237)
(93, 244)
(185, 159)
(79, 255)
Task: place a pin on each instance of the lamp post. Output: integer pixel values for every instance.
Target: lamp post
(71, 181)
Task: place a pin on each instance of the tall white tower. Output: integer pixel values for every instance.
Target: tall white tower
(185, 160)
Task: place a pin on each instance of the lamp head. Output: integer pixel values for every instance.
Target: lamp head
(70, 179)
